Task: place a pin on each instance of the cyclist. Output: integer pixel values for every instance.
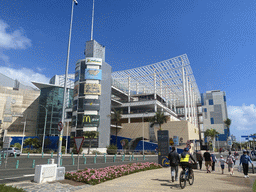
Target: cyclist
(185, 160)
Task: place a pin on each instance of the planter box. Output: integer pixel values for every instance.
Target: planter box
(111, 151)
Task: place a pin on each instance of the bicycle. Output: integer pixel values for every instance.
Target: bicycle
(185, 176)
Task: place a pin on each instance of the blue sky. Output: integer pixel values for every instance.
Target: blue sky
(217, 36)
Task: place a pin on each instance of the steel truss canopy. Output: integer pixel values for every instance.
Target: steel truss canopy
(166, 74)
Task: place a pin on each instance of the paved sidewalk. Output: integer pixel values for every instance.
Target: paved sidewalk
(158, 180)
(153, 180)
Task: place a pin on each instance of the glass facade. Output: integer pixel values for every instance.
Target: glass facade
(52, 99)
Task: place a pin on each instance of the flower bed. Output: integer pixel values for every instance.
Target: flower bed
(96, 176)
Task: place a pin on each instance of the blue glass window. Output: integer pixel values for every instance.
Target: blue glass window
(210, 102)
(205, 109)
(224, 97)
(212, 121)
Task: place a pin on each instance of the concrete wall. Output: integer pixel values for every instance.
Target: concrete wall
(182, 129)
(13, 104)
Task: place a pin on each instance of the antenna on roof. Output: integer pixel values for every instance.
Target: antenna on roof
(92, 20)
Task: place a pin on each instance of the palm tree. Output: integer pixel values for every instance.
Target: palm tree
(159, 119)
(116, 118)
(227, 123)
(90, 135)
(212, 133)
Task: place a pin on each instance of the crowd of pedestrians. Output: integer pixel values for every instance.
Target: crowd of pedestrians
(210, 161)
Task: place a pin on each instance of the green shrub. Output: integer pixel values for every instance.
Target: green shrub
(4, 188)
(111, 149)
(17, 145)
(63, 148)
(75, 152)
(95, 151)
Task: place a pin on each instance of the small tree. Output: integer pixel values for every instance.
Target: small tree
(227, 123)
(17, 145)
(159, 119)
(211, 133)
(90, 135)
(28, 142)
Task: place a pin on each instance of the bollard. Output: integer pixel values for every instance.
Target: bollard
(0, 157)
(84, 160)
(83, 155)
(143, 157)
(136, 158)
(72, 155)
(52, 155)
(28, 154)
(114, 159)
(33, 164)
(73, 163)
(0, 162)
(15, 155)
(130, 158)
(17, 164)
(61, 154)
(96, 155)
(42, 154)
(4, 155)
(95, 159)
(48, 162)
(123, 158)
(105, 159)
(60, 162)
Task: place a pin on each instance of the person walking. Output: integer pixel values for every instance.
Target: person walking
(230, 162)
(174, 163)
(222, 163)
(214, 159)
(199, 158)
(208, 160)
(236, 155)
(244, 160)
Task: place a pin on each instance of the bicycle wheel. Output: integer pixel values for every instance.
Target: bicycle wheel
(182, 180)
(191, 178)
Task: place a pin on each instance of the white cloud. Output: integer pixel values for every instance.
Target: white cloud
(243, 117)
(13, 40)
(24, 75)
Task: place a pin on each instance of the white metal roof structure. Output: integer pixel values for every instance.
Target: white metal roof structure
(163, 77)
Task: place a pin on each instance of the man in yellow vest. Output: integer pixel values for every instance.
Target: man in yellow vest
(185, 160)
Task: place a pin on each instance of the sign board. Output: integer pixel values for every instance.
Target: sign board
(163, 145)
(93, 61)
(92, 89)
(78, 143)
(229, 142)
(91, 104)
(60, 126)
(91, 120)
(93, 74)
(176, 140)
(75, 93)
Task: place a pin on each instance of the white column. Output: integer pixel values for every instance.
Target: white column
(194, 109)
(144, 90)
(190, 93)
(184, 92)
(137, 88)
(192, 106)
(129, 97)
(161, 88)
(154, 86)
(174, 103)
(187, 90)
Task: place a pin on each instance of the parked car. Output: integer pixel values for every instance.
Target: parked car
(11, 151)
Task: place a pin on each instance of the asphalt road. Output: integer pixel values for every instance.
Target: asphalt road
(25, 171)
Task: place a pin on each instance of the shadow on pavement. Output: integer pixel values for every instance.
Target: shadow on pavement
(168, 183)
(247, 183)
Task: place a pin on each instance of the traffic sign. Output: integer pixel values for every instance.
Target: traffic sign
(78, 143)
(60, 126)
(171, 141)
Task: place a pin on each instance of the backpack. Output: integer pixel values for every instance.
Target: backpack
(230, 159)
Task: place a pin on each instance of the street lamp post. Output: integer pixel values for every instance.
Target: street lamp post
(65, 86)
(44, 126)
(25, 122)
(143, 131)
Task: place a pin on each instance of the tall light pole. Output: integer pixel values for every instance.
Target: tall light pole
(65, 85)
(44, 125)
(24, 128)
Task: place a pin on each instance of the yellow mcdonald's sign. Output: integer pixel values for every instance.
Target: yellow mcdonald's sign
(87, 119)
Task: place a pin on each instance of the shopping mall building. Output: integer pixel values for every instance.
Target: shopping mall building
(94, 92)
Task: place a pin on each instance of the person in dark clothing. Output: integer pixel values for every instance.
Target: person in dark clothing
(208, 161)
(244, 160)
(185, 160)
(174, 162)
(199, 158)
(214, 159)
